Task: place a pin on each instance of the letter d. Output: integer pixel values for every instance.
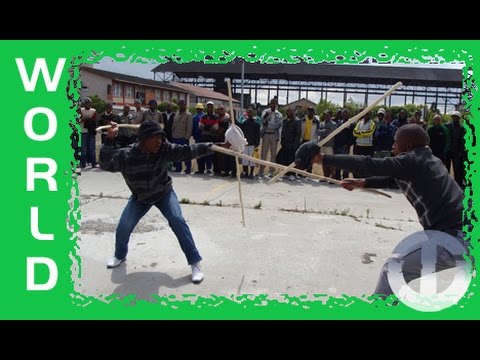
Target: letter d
(52, 269)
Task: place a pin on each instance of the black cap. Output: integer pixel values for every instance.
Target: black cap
(148, 129)
(305, 153)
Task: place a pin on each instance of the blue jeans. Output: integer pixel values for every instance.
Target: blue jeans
(88, 150)
(170, 208)
(188, 163)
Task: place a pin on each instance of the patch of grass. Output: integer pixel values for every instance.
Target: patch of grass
(345, 212)
(258, 206)
(219, 203)
(296, 210)
(206, 203)
(185, 201)
(383, 226)
(354, 217)
(336, 212)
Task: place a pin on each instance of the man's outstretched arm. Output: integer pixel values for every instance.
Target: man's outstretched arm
(376, 182)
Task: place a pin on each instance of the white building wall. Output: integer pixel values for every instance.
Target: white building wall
(93, 84)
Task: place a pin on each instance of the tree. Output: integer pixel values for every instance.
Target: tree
(163, 106)
(353, 107)
(445, 118)
(410, 108)
(324, 104)
(98, 104)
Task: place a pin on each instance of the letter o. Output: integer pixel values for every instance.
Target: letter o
(52, 124)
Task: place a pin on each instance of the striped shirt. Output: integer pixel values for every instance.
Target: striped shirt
(146, 174)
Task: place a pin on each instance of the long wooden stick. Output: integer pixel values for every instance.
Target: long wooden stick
(258, 161)
(104, 127)
(343, 126)
(295, 170)
(239, 170)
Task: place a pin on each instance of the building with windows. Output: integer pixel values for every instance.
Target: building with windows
(120, 89)
(203, 95)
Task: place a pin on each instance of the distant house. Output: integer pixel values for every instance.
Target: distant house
(120, 89)
(203, 95)
(300, 105)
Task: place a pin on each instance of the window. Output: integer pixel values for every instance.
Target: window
(141, 95)
(158, 95)
(117, 90)
(128, 91)
(109, 89)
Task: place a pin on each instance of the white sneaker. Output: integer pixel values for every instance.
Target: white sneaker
(197, 274)
(114, 262)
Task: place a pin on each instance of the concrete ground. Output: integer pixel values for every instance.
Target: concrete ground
(301, 238)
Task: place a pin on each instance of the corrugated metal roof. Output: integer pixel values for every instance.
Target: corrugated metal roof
(203, 92)
(373, 74)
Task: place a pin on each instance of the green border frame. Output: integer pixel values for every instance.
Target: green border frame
(63, 302)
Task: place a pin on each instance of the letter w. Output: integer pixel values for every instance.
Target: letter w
(40, 65)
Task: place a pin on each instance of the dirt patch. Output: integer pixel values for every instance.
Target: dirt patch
(99, 227)
(367, 258)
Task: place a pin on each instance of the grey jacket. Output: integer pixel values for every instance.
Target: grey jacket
(272, 123)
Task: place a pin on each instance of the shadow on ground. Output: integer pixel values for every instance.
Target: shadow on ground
(145, 284)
